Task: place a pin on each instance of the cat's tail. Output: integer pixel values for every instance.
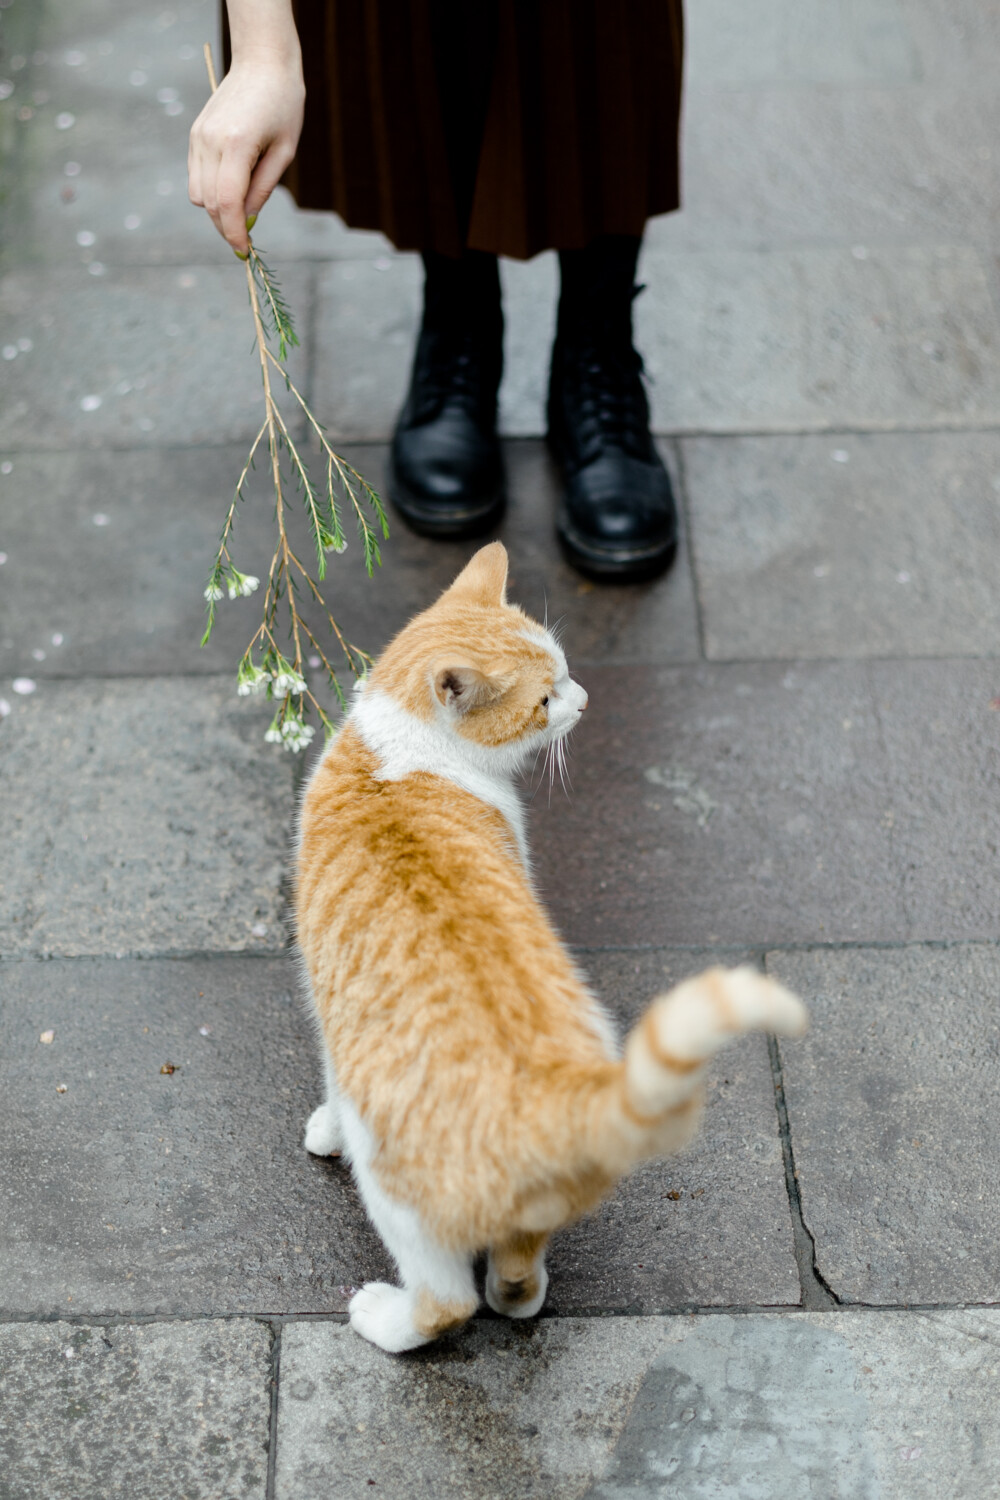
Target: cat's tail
(652, 1105)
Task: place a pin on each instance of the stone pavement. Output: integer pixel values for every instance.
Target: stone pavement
(791, 757)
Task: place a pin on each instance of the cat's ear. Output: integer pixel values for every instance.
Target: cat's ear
(484, 577)
(463, 688)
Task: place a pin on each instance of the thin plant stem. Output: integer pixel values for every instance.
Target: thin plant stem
(265, 666)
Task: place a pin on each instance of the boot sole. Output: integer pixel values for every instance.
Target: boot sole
(637, 566)
(427, 519)
(614, 567)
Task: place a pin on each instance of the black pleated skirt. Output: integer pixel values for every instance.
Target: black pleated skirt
(497, 125)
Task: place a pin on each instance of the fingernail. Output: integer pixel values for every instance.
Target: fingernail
(242, 254)
(251, 222)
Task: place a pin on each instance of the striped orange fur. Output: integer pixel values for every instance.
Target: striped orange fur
(472, 1077)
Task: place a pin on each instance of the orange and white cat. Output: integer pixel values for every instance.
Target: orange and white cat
(472, 1079)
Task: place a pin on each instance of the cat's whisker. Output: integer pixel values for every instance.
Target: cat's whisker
(564, 775)
(533, 790)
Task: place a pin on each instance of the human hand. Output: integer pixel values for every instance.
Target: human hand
(243, 140)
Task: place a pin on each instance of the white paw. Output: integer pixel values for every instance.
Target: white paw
(515, 1309)
(323, 1134)
(383, 1315)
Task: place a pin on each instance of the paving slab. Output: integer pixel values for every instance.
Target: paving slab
(140, 816)
(957, 39)
(717, 804)
(814, 339)
(365, 327)
(133, 82)
(781, 41)
(819, 48)
(891, 1102)
(834, 801)
(159, 513)
(177, 1409)
(136, 356)
(854, 545)
(845, 1405)
(135, 1191)
(185, 1193)
(912, 166)
(146, 524)
(940, 723)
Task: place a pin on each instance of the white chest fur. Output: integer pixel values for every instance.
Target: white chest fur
(404, 744)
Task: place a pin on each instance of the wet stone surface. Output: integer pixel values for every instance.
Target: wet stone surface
(891, 1096)
(703, 799)
(861, 545)
(140, 817)
(168, 357)
(817, 339)
(825, 801)
(139, 1191)
(713, 1408)
(138, 1412)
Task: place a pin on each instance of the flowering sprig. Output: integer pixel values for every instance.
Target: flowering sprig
(265, 668)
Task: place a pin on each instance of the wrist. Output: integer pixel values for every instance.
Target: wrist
(268, 58)
(262, 32)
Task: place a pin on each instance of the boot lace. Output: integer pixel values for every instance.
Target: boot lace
(606, 379)
(449, 369)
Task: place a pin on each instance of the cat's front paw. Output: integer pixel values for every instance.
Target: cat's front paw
(383, 1315)
(323, 1134)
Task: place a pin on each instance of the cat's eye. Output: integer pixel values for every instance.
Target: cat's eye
(545, 701)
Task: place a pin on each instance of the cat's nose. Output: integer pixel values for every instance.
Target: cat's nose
(583, 705)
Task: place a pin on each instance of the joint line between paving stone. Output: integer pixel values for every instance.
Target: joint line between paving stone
(748, 954)
(278, 1321)
(682, 485)
(272, 1431)
(816, 1293)
(365, 440)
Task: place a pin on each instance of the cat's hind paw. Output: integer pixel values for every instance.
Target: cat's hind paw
(516, 1299)
(323, 1135)
(383, 1315)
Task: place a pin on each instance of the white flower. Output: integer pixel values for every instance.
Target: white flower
(288, 681)
(295, 735)
(332, 546)
(241, 584)
(213, 592)
(273, 735)
(251, 679)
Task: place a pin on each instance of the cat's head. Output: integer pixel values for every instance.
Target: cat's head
(481, 668)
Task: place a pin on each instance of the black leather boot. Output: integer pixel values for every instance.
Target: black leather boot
(617, 520)
(447, 476)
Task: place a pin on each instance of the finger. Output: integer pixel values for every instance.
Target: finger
(266, 176)
(194, 179)
(209, 197)
(232, 183)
